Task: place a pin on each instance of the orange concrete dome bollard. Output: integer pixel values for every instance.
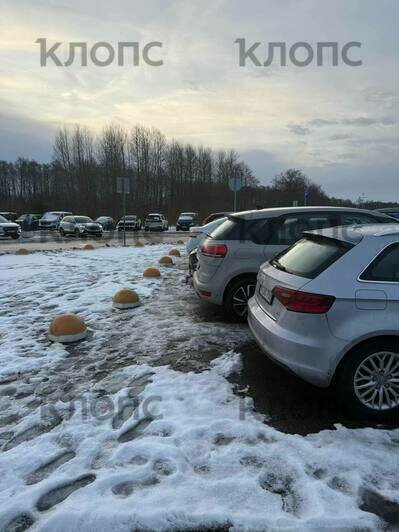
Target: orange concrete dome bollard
(166, 261)
(67, 328)
(151, 272)
(88, 246)
(22, 251)
(139, 245)
(179, 242)
(174, 253)
(125, 299)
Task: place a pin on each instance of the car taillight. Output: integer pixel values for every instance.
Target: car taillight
(217, 251)
(298, 301)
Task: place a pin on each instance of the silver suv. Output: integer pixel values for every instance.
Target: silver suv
(229, 260)
(327, 308)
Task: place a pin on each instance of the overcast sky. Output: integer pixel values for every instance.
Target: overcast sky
(339, 124)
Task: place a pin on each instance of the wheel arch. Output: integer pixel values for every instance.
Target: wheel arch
(236, 278)
(387, 337)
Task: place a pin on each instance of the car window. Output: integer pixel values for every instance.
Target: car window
(289, 229)
(310, 256)
(353, 218)
(3, 220)
(68, 219)
(235, 228)
(385, 267)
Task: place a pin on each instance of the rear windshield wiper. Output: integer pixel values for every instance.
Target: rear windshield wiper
(277, 265)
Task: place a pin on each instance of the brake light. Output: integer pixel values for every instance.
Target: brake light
(298, 301)
(217, 251)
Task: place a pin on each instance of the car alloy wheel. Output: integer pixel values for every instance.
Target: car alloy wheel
(240, 299)
(376, 381)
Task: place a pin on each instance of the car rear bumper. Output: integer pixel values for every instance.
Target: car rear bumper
(310, 356)
(207, 292)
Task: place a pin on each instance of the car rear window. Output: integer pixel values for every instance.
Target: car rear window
(235, 228)
(310, 256)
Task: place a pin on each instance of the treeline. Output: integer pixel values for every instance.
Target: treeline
(165, 176)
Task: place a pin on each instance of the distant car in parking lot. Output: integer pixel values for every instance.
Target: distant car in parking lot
(107, 223)
(130, 222)
(214, 216)
(28, 222)
(7, 228)
(9, 216)
(392, 211)
(186, 220)
(80, 226)
(51, 220)
(156, 222)
(229, 260)
(327, 309)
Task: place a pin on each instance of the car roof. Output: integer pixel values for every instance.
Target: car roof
(353, 234)
(388, 209)
(278, 211)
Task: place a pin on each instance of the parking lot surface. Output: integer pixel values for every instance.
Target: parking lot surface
(166, 415)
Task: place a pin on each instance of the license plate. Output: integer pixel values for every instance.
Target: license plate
(266, 292)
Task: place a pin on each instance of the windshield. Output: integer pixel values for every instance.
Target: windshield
(83, 219)
(186, 216)
(3, 220)
(132, 217)
(153, 217)
(50, 216)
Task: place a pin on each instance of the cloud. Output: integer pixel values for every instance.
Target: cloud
(298, 129)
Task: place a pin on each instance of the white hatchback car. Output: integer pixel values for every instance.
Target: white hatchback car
(328, 309)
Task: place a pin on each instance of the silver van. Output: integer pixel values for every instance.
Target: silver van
(229, 260)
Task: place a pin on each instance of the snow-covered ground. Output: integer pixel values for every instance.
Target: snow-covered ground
(138, 426)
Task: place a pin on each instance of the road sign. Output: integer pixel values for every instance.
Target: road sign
(123, 185)
(235, 183)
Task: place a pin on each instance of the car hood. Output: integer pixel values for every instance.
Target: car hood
(9, 224)
(90, 224)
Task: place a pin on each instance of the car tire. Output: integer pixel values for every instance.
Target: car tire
(15, 237)
(77, 233)
(361, 378)
(236, 298)
(62, 232)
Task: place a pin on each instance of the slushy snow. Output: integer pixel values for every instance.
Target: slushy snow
(110, 434)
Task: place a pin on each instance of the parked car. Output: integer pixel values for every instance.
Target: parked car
(107, 223)
(8, 228)
(9, 216)
(156, 222)
(80, 226)
(392, 211)
(327, 309)
(52, 219)
(186, 220)
(229, 260)
(29, 222)
(131, 222)
(199, 233)
(214, 216)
